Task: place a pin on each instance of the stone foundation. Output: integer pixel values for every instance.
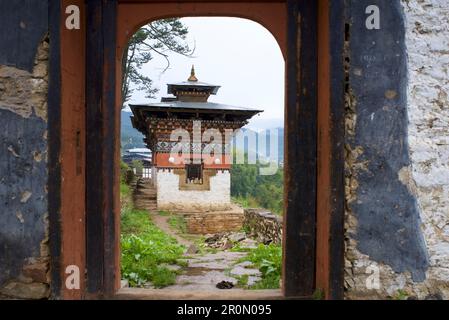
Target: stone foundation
(214, 222)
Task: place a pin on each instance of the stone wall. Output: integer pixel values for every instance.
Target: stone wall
(263, 226)
(169, 197)
(397, 199)
(24, 252)
(214, 222)
(427, 40)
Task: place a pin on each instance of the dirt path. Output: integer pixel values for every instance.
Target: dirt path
(162, 223)
(206, 270)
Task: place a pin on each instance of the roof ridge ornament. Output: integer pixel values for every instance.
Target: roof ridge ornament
(192, 77)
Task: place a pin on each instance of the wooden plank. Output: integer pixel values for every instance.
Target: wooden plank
(195, 1)
(94, 147)
(54, 147)
(324, 150)
(72, 149)
(111, 151)
(272, 15)
(170, 294)
(337, 109)
(301, 152)
(101, 154)
(330, 189)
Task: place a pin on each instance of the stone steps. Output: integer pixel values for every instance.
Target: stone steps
(145, 195)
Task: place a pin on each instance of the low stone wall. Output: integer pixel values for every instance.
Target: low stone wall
(213, 222)
(263, 225)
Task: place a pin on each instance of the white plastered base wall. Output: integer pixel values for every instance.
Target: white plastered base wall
(169, 197)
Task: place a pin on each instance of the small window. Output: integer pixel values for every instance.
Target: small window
(194, 173)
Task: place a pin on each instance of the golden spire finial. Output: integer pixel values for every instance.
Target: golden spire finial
(192, 74)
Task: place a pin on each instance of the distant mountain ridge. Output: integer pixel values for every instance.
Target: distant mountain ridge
(278, 137)
(130, 137)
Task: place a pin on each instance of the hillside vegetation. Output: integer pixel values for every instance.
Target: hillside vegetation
(252, 190)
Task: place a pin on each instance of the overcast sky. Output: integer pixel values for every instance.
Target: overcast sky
(238, 54)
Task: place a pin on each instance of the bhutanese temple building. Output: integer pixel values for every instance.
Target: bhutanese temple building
(198, 178)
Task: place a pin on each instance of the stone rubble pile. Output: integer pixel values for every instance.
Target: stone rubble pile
(263, 226)
(228, 240)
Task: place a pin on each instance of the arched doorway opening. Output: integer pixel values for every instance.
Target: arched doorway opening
(236, 87)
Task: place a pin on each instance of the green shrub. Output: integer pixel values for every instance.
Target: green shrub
(123, 170)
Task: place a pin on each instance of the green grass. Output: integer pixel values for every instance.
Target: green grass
(178, 222)
(268, 282)
(238, 248)
(251, 202)
(246, 202)
(144, 249)
(126, 201)
(242, 281)
(318, 294)
(401, 295)
(125, 190)
(268, 259)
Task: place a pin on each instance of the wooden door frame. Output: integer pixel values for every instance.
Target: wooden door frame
(314, 203)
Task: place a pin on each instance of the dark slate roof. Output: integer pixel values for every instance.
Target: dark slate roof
(195, 105)
(192, 84)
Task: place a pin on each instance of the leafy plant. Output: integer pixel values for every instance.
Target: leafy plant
(144, 248)
(268, 259)
(163, 277)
